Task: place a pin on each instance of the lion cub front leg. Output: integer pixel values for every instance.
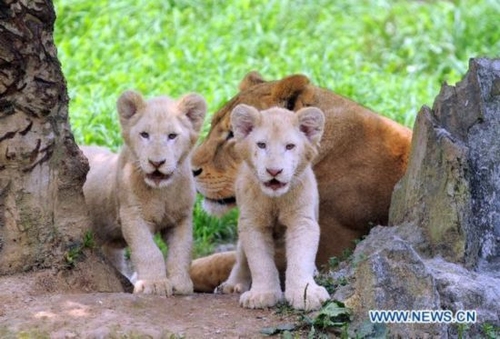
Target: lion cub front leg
(180, 240)
(258, 247)
(147, 258)
(116, 255)
(301, 290)
(239, 279)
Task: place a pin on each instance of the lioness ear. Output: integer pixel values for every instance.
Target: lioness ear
(311, 123)
(243, 120)
(128, 104)
(287, 90)
(251, 79)
(195, 108)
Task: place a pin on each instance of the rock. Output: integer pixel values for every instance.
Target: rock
(443, 251)
(435, 189)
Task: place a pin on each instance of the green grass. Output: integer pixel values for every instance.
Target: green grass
(391, 56)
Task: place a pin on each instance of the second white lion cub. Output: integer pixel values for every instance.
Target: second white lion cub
(278, 198)
(148, 188)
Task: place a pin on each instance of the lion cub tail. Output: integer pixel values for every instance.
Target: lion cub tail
(209, 272)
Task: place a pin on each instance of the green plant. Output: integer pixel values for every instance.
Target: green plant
(72, 255)
(76, 249)
(391, 56)
(210, 231)
(326, 280)
(332, 316)
(462, 330)
(490, 331)
(32, 334)
(88, 240)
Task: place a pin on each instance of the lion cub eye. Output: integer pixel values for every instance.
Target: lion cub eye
(172, 136)
(230, 135)
(144, 135)
(290, 147)
(261, 145)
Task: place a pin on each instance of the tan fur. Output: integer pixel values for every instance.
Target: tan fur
(211, 269)
(362, 156)
(148, 188)
(278, 199)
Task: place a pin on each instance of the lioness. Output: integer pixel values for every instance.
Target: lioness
(362, 156)
(148, 188)
(278, 198)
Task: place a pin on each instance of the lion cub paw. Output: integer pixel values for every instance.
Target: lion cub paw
(260, 299)
(158, 287)
(227, 288)
(182, 285)
(312, 299)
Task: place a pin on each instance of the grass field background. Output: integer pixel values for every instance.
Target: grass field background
(391, 56)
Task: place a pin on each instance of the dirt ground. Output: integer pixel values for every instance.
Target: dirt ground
(25, 312)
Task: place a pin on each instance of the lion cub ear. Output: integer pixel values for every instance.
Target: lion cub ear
(128, 104)
(251, 79)
(195, 108)
(287, 91)
(243, 120)
(311, 123)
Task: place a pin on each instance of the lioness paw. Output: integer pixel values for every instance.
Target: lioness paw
(309, 298)
(260, 299)
(158, 287)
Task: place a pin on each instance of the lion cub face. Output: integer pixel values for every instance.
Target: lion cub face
(160, 132)
(277, 144)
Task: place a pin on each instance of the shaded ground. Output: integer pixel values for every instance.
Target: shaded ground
(25, 312)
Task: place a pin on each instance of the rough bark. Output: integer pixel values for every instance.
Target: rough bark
(43, 216)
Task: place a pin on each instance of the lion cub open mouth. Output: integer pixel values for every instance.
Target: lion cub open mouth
(275, 184)
(158, 177)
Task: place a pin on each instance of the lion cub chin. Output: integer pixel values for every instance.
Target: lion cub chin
(278, 198)
(148, 188)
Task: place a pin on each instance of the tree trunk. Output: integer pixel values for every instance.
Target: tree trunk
(43, 217)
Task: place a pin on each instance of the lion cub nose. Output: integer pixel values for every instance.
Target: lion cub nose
(273, 171)
(157, 164)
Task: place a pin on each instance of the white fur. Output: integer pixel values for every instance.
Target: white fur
(281, 217)
(148, 188)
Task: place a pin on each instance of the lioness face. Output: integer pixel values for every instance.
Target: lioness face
(160, 132)
(277, 144)
(216, 161)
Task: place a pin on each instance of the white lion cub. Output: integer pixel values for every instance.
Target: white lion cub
(148, 188)
(278, 198)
